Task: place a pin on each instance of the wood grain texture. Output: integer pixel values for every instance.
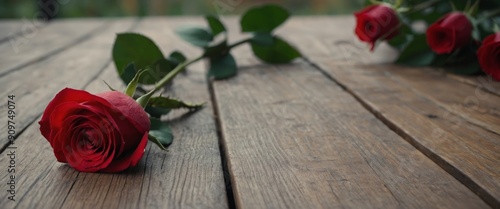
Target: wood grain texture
(295, 139)
(38, 174)
(189, 175)
(484, 82)
(474, 104)
(453, 121)
(469, 152)
(11, 28)
(40, 43)
(333, 38)
(35, 85)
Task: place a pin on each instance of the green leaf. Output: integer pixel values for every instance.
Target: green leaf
(199, 37)
(134, 48)
(466, 69)
(441, 60)
(264, 39)
(420, 59)
(263, 18)
(279, 52)
(157, 71)
(401, 40)
(417, 53)
(215, 25)
(177, 57)
(217, 48)
(128, 73)
(160, 133)
(157, 112)
(428, 17)
(169, 103)
(130, 90)
(223, 67)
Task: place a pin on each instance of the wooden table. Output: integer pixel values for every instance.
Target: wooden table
(337, 129)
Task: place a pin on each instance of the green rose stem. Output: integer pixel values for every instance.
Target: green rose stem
(489, 14)
(144, 99)
(423, 5)
(239, 43)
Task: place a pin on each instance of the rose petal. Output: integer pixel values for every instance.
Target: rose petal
(125, 162)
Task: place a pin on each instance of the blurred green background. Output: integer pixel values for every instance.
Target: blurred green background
(113, 8)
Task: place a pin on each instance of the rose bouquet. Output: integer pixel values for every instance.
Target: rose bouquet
(108, 132)
(462, 36)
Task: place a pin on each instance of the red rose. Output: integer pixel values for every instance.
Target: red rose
(376, 22)
(107, 132)
(452, 31)
(489, 55)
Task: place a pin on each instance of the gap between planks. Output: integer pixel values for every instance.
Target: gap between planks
(222, 148)
(37, 114)
(55, 51)
(445, 165)
(8, 28)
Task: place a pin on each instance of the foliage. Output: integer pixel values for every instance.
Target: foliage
(140, 63)
(413, 45)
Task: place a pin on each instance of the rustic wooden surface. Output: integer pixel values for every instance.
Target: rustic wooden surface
(337, 129)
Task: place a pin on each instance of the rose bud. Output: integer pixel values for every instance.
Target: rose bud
(451, 32)
(107, 132)
(376, 22)
(489, 55)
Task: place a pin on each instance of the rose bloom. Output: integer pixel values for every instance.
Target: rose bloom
(376, 22)
(451, 32)
(107, 132)
(489, 55)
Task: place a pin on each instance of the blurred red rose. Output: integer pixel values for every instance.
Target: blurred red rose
(107, 132)
(376, 22)
(489, 55)
(451, 32)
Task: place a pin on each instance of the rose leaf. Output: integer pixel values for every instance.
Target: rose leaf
(177, 57)
(134, 48)
(466, 69)
(223, 67)
(279, 52)
(157, 71)
(128, 73)
(160, 133)
(199, 37)
(170, 103)
(264, 39)
(157, 112)
(416, 53)
(263, 18)
(215, 24)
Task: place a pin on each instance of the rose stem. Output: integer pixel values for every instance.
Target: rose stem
(143, 100)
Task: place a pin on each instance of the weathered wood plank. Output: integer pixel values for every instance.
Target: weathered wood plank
(467, 151)
(189, 175)
(472, 156)
(39, 44)
(471, 103)
(484, 82)
(35, 84)
(294, 139)
(333, 38)
(12, 28)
